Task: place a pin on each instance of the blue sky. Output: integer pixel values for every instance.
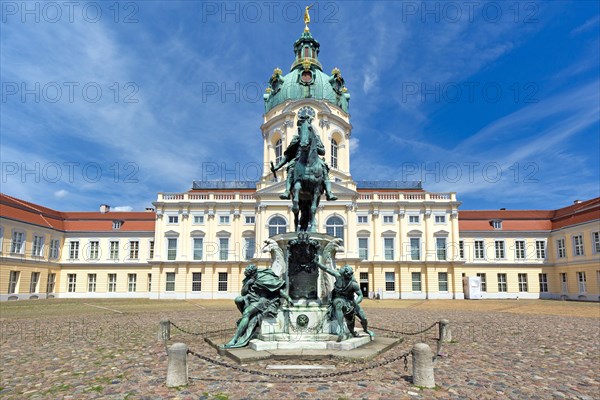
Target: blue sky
(498, 101)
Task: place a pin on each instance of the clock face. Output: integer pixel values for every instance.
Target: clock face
(306, 76)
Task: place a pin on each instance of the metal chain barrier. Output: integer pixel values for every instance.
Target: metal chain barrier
(209, 333)
(403, 357)
(406, 333)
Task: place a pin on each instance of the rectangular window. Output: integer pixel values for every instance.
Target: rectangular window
(443, 281)
(363, 248)
(173, 219)
(38, 246)
(134, 250)
(117, 224)
(483, 282)
(388, 219)
(223, 249)
(250, 220)
(413, 219)
(131, 282)
(596, 242)
(363, 219)
(581, 281)
(523, 283)
(416, 281)
(440, 219)
(33, 283)
(196, 281)
(224, 219)
(543, 283)
(54, 246)
(461, 249)
(198, 248)
(151, 251)
(114, 250)
(540, 249)
(91, 282)
(479, 250)
(577, 245)
(502, 282)
(149, 282)
(390, 282)
(198, 219)
(496, 224)
(519, 249)
(222, 282)
(112, 282)
(440, 244)
(561, 249)
(415, 249)
(74, 250)
(94, 250)
(249, 247)
(171, 249)
(499, 247)
(13, 282)
(17, 245)
(50, 283)
(71, 282)
(388, 248)
(170, 282)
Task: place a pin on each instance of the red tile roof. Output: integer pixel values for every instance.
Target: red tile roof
(16, 209)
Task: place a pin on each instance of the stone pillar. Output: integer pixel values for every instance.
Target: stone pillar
(164, 330)
(177, 370)
(422, 366)
(445, 334)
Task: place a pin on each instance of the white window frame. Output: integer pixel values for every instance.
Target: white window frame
(564, 282)
(442, 274)
(38, 246)
(477, 250)
(172, 250)
(54, 252)
(419, 281)
(360, 248)
(443, 249)
(461, 250)
(74, 249)
(561, 248)
(333, 229)
(387, 216)
(113, 252)
(520, 253)
(497, 224)
(252, 222)
(335, 146)
(13, 282)
(71, 283)
(523, 282)
(197, 282)
(91, 249)
(134, 252)
(50, 282)
(540, 251)
(172, 218)
(194, 249)
(390, 280)
(440, 215)
(91, 282)
(595, 242)
(502, 282)
(34, 284)
(151, 244)
(18, 246)
(578, 245)
(112, 284)
(132, 283)
(413, 215)
(170, 283)
(277, 227)
(201, 216)
(418, 248)
(365, 216)
(224, 248)
(117, 224)
(389, 254)
(224, 219)
(1, 239)
(543, 278)
(247, 254)
(221, 281)
(501, 249)
(482, 281)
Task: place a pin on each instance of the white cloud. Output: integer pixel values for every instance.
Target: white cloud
(59, 194)
(122, 208)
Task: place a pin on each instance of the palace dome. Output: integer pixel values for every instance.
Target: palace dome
(306, 79)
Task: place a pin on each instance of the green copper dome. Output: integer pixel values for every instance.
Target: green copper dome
(306, 79)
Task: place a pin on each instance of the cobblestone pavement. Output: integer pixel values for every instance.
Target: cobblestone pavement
(107, 355)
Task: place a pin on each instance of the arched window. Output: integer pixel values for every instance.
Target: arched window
(334, 153)
(277, 225)
(335, 227)
(278, 151)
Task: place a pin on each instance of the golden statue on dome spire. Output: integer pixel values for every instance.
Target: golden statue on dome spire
(307, 18)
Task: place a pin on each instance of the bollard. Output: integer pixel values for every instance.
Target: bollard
(422, 366)
(177, 371)
(164, 330)
(445, 334)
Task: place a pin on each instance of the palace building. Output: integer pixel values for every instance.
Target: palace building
(402, 241)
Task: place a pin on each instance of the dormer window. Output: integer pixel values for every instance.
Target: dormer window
(496, 224)
(117, 224)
